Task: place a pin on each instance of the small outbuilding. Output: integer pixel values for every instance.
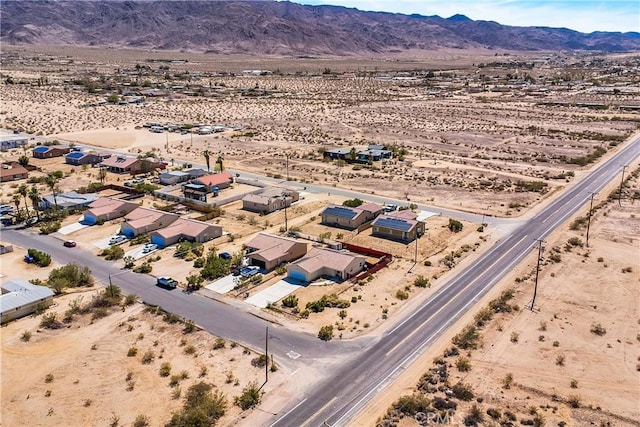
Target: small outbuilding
(270, 200)
(20, 298)
(68, 200)
(350, 217)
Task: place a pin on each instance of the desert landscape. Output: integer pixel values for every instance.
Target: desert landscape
(491, 135)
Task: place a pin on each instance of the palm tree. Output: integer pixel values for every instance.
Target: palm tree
(206, 155)
(23, 191)
(34, 195)
(52, 181)
(16, 200)
(102, 174)
(219, 163)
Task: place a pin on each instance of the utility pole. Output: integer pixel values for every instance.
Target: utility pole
(620, 189)
(589, 217)
(415, 257)
(266, 355)
(286, 223)
(535, 289)
(286, 155)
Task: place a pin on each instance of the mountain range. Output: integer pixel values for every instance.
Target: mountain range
(274, 27)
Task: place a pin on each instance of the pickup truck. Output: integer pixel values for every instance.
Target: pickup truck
(166, 282)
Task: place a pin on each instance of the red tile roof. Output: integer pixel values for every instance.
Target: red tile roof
(215, 179)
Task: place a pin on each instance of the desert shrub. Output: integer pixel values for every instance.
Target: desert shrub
(483, 316)
(290, 301)
(250, 397)
(41, 259)
(574, 401)
(132, 352)
(507, 381)
(427, 263)
(598, 329)
(455, 225)
(500, 304)
(141, 421)
(421, 282)
(330, 300)
(574, 384)
(50, 227)
(326, 333)
(474, 417)
(189, 327)
(560, 360)
(411, 405)
(112, 253)
(190, 349)
(462, 391)
(515, 336)
(148, 357)
(49, 321)
(468, 338)
(494, 413)
(165, 369)
(143, 268)
(26, 336)
(130, 299)
(202, 408)
(48, 378)
(219, 343)
(401, 294)
(463, 364)
(575, 241)
(70, 276)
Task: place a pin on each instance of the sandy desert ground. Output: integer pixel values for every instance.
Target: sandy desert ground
(477, 152)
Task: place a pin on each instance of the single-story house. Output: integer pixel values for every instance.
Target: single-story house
(198, 188)
(196, 173)
(348, 217)
(20, 298)
(9, 142)
(185, 229)
(173, 177)
(131, 165)
(338, 153)
(270, 200)
(144, 220)
(320, 262)
(399, 225)
(267, 251)
(49, 151)
(67, 200)
(78, 158)
(13, 171)
(108, 208)
(373, 155)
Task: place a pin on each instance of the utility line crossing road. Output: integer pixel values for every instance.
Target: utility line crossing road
(340, 397)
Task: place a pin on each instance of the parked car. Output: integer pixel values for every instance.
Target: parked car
(69, 243)
(6, 209)
(149, 247)
(166, 282)
(225, 255)
(117, 239)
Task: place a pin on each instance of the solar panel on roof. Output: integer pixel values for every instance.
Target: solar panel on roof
(340, 212)
(75, 155)
(41, 149)
(394, 223)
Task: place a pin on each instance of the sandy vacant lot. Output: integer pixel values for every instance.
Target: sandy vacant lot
(575, 359)
(94, 382)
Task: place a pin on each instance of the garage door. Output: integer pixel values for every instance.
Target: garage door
(90, 219)
(158, 240)
(297, 275)
(258, 263)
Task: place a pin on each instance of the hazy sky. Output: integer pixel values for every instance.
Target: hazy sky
(580, 15)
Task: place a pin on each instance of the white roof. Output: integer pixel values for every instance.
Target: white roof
(20, 293)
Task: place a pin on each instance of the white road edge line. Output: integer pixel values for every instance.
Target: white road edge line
(288, 412)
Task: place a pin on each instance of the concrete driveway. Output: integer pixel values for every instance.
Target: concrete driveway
(68, 229)
(223, 284)
(274, 292)
(138, 253)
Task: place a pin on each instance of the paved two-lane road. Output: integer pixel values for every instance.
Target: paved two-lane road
(340, 397)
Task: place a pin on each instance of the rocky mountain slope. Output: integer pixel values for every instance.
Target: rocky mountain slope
(268, 27)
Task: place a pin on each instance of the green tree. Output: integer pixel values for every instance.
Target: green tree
(102, 174)
(207, 156)
(23, 191)
(250, 397)
(220, 163)
(34, 195)
(16, 201)
(455, 225)
(326, 333)
(52, 182)
(202, 407)
(193, 282)
(23, 160)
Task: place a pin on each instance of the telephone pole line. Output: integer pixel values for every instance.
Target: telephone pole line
(589, 217)
(535, 289)
(620, 189)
